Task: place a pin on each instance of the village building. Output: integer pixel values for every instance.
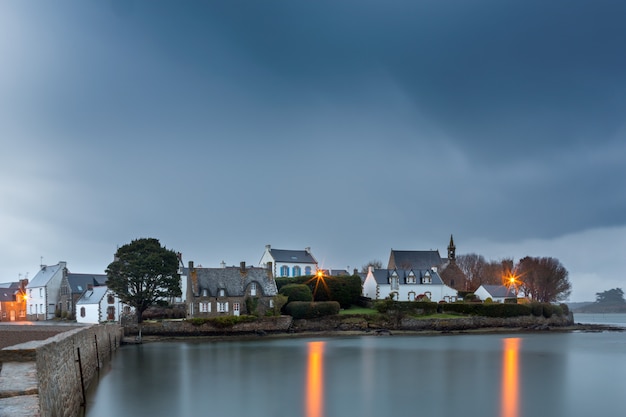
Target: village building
(213, 292)
(73, 286)
(497, 293)
(407, 285)
(99, 305)
(13, 301)
(43, 292)
(289, 263)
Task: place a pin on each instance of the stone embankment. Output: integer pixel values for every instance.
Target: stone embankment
(48, 377)
(285, 325)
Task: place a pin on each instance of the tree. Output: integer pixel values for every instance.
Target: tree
(374, 263)
(613, 297)
(544, 279)
(297, 292)
(478, 271)
(144, 273)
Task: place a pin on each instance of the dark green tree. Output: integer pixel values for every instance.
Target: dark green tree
(144, 273)
(613, 297)
(297, 292)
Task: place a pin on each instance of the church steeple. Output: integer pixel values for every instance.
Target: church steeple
(451, 250)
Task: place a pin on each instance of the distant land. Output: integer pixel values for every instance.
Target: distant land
(594, 307)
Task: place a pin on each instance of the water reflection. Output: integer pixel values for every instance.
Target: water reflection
(315, 380)
(510, 378)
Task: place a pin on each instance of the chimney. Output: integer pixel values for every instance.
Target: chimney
(89, 287)
(268, 247)
(223, 264)
(190, 265)
(356, 272)
(242, 267)
(307, 250)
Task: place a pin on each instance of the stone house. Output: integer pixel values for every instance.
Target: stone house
(289, 263)
(73, 286)
(13, 301)
(229, 291)
(407, 285)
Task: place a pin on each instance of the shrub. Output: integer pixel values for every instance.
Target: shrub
(548, 310)
(252, 303)
(413, 307)
(311, 310)
(537, 309)
(297, 292)
(565, 309)
(222, 321)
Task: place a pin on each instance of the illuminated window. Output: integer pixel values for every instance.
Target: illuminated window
(296, 271)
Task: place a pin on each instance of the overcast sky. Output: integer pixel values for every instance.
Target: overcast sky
(351, 127)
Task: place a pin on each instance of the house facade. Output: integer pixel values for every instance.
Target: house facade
(13, 301)
(73, 286)
(230, 291)
(407, 285)
(99, 305)
(43, 292)
(289, 263)
(497, 293)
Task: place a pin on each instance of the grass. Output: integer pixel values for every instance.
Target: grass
(358, 310)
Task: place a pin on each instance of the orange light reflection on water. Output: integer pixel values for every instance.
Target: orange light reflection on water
(315, 380)
(510, 378)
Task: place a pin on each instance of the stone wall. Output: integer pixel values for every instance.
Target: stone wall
(43, 378)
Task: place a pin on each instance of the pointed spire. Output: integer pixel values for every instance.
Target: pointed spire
(451, 250)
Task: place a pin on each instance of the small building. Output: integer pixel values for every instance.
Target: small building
(289, 263)
(99, 305)
(233, 291)
(407, 285)
(13, 301)
(43, 292)
(497, 293)
(73, 286)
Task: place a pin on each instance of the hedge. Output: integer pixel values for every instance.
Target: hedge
(346, 290)
(297, 292)
(311, 310)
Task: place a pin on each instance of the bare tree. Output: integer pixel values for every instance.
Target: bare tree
(472, 266)
(374, 263)
(544, 279)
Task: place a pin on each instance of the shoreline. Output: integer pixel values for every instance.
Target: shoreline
(577, 327)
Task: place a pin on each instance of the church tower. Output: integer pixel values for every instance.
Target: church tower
(451, 250)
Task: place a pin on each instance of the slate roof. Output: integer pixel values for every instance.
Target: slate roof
(233, 281)
(500, 291)
(93, 296)
(44, 275)
(79, 282)
(414, 259)
(292, 256)
(382, 275)
(8, 291)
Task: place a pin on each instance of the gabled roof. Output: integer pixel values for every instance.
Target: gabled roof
(414, 259)
(292, 256)
(233, 281)
(8, 291)
(79, 282)
(382, 275)
(500, 291)
(44, 275)
(93, 296)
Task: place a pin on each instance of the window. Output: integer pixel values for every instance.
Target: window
(222, 307)
(284, 271)
(126, 309)
(205, 292)
(296, 271)
(253, 289)
(221, 292)
(307, 270)
(410, 279)
(271, 303)
(205, 307)
(82, 311)
(111, 299)
(411, 295)
(41, 292)
(427, 279)
(110, 313)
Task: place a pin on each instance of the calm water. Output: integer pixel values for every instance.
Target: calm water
(569, 374)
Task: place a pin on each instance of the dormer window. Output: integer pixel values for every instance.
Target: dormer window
(221, 292)
(253, 289)
(394, 281)
(410, 279)
(205, 292)
(426, 279)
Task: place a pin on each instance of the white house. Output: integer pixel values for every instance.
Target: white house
(98, 305)
(43, 292)
(289, 263)
(407, 285)
(497, 293)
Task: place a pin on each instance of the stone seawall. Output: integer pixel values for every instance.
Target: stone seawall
(45, 378)
(339, 323)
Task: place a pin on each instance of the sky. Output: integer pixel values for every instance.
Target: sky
(350, 127)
